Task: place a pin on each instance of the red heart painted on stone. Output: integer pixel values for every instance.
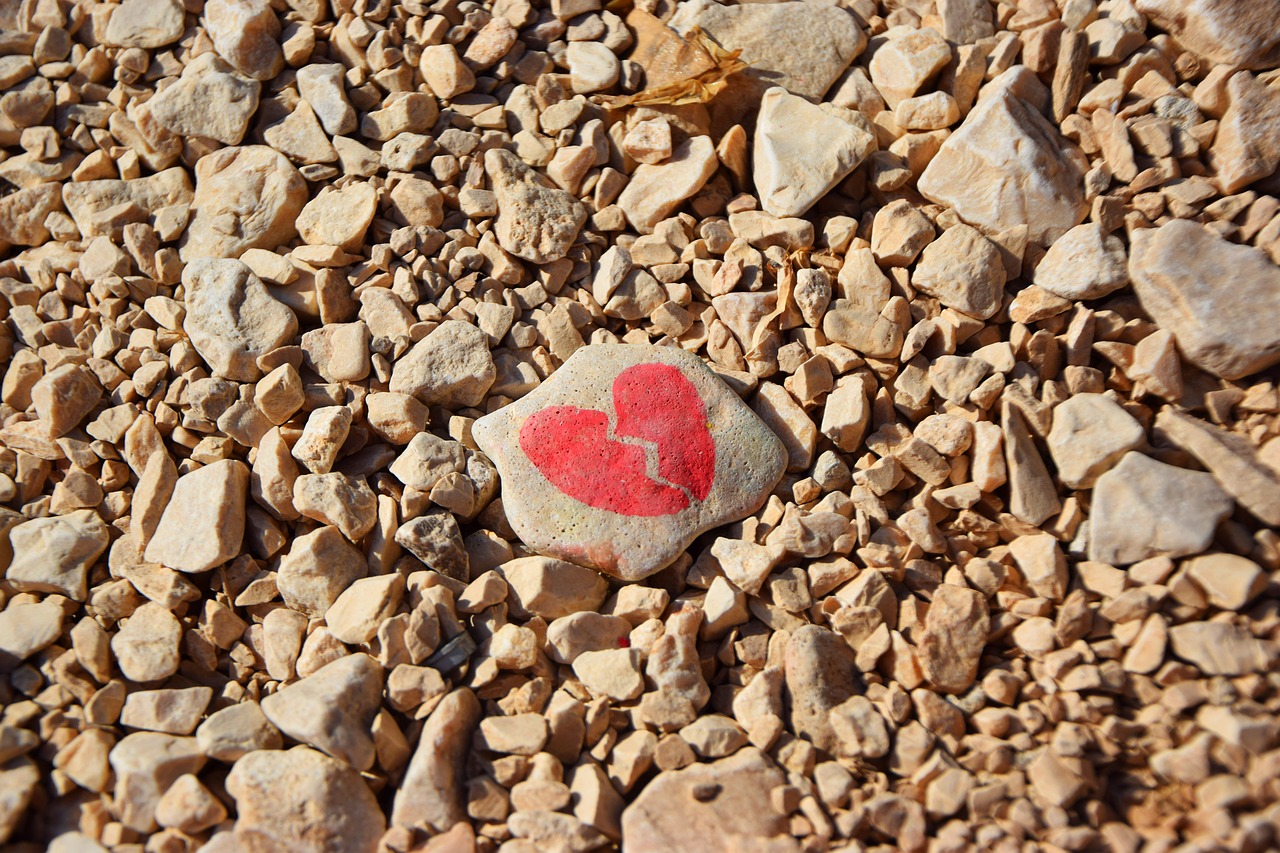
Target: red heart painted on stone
(655, 403)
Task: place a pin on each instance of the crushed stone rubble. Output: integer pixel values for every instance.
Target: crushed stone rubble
(504, 426)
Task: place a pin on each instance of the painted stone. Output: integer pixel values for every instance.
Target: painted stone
(625, 455)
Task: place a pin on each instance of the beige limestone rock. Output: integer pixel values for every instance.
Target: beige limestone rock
(1090, 433)
(146, 765)
(593, 67)
(332, 709)
(669, 814)
(1245, 148)
(305, 800)
(321, 85)
(339, 499)
(189, 806)
(433, 791)
(174, 712)
(145, 23)
(1228, 580)
(64, 396)
(104, 207)
(713, 459)
(963, 270)
(246, 198)
(1084, 263)
(1144, 508)
(1231, 32)
(1220, 648)
(147, 647)
(203, 523)
(820, 675)
(450, 367)
(316, 569)
(1007, 165)
(237, 730)
(210, 99)
(1221, 325)
(906, 61)
(55, 554)
(792, 172)
(801, 46)
(655, 191)
(955, 633)
(1232, 459)
(536, 221)
(339, 217)
(246, 33)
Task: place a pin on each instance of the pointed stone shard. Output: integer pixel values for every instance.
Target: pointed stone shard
(433, 792)
(332, 709)
(536, 221)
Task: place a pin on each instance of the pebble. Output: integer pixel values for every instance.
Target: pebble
(614, 673)
(1144, 508)
(203, 523)
(1229, 581)
(963, 270)
(103, 208)
(722, 805)
(436, 540)
(1084, 263)
(716, 459)
(246, 33)
(210, 100)
(332, 709)
(64, 396)
(955, 633)
(1090, 433)
(451, 367)
(592, 66)
(55, 554)
(316, 449)
(304, 800)
(1220, 326)
(1244, 149)
(860, 730)
(26, 629)
(189, 806)
(344, 501)
(907, 59)
(321, 85)
(245, 198)
(655, 191)
(790, 174)
(147, 647)
(536, 221)
(1007, 166)
(355, 616)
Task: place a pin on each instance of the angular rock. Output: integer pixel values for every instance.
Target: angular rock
(147, 647)
(436, 540)
(721, 807)
(332, 709)
(247, 34)
(1221, 648)
(174, 712)
(820, 674)
(321, 85)
(800, 46)
(235, 731)
(1144, 508)
(208, 100)
(451, 367)
(344, 501)
(536, 221)
(317, 568)
(203, 523)
(791, 172)
(339, 217)
(571, 491)
(1231, 458)
(1222, 325)
(64, 396)
(305, 801)
(246, 198)
(1245, 148)
(655, 192)
(1090, 433)
(907, 60)
(1229, 581)
(23, 214)
(433, 792)
(104, 208)
(1084, 263)
(1230, 32)
(146, 765)
(955, 633)
(963, 270)
(1007, 165)
(55, 554)
(26, 629)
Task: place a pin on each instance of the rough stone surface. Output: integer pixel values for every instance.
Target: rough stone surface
(1232, 32)
(210, 99)
(1144, 508)
(711, 460)
(963, 270)
(1090, 433)
(203, 523)
(1007, 166)
(232, 318)
(305, 800)
(791, 174)
(1221, 325)
(433, 792)
(1084, 263)
(536, 221)
(55, 554)
(245, 198)
(332, 709)
(246, 33)
(955, 633)
(145, 23)
(450, 367)
(656, 190)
